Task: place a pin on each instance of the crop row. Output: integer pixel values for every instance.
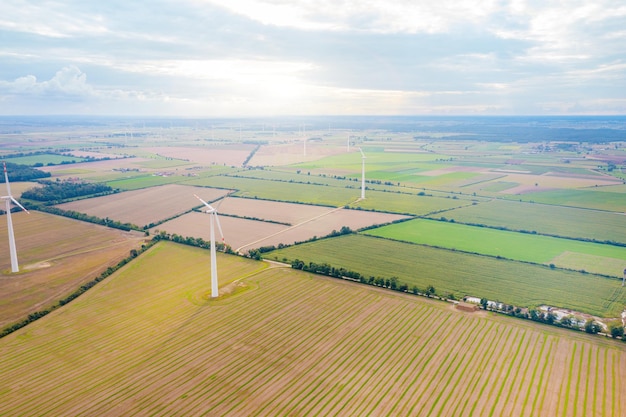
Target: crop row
(144, 342)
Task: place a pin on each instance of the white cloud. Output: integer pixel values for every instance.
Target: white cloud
(247, 57)
(69, 81)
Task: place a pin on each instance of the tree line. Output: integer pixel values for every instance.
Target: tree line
(19, 172)
(392, 283)
(56, 191)
(85, 217)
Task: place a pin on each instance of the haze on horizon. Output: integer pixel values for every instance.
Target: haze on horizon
(210, 58)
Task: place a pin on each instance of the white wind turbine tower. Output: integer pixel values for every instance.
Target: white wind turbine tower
(362, 174)
(7, 204)
(214, 219)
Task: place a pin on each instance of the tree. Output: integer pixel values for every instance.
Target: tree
(567, 321)
(535, 314)
(484, 302)
(592, 327)
(393, 283)
(430, 290)
(616, 329)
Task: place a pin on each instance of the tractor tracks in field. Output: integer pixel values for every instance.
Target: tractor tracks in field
(238, 250)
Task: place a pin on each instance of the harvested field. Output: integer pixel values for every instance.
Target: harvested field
(56, 256)
(291, 153)
(145, 206)
(293, 344)
(271, 210)
(88, 169)
(233, 155)
(237, 232)
(532, 183)
(306, 222)
(17, 188)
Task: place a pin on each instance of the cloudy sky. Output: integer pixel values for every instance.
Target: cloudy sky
(303, 57)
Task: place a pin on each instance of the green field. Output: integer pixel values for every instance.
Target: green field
(462, 274)
(145, 342)
(584, 198)
(409, 203)
(545, 219)
(376, 160)
(511, 245)
(139, 181)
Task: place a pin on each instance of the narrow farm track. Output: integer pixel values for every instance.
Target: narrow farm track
(140, 343)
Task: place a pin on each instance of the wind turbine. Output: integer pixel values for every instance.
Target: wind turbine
(362, 174)
(214, 219)
(7, 204)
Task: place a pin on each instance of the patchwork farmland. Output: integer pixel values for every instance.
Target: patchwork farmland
(293, 343)
(148, 340)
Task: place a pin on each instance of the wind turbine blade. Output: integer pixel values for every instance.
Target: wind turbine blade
(204, 202)
(18, 204)
(362, 154)
(6, 179)
(219, 226)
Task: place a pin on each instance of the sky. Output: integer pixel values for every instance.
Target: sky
(242, 58)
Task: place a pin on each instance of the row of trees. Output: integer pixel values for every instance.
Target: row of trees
(56, 191)
(392, 283)
(85, 217)
(19, 172)
(191, 241)
(615, 328)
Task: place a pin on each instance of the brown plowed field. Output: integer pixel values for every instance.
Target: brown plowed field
(145, 206)
(294, 344)
(237, 232)
(270, 210)
(305, 222)
(56, 255)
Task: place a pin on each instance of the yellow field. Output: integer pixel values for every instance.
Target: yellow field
(56, 256)
(145, 342)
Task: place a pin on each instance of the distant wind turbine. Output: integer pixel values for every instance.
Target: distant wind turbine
(7, 204)
(362, 174)
(214, 219)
